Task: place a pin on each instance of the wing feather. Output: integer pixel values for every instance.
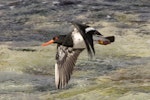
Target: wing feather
(65, 61)
(87, 38)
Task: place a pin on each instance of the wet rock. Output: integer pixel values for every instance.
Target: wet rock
(2, 7)
(119, 69)
(68, 2)
(112, 0)
(56, 3)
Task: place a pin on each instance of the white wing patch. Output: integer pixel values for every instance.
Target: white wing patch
(89, 29)
(78, 40)
(57, 74)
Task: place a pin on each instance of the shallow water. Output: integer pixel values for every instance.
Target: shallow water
(119, 71)
(97, 77)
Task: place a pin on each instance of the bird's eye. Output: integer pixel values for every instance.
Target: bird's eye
(55, 38)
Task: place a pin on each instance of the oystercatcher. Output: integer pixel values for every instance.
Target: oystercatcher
(70, 46)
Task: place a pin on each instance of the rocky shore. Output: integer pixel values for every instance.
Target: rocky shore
(120, 71)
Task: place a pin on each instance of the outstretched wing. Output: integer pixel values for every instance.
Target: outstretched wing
(65, 61)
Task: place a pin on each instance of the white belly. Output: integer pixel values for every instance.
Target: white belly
(78, 40)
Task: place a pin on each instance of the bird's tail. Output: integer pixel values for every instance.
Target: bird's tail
(110, 38)
(106, 40)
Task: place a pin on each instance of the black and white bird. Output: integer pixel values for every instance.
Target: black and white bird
(70, 46)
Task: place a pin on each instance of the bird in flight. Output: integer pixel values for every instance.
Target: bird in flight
(69, 47)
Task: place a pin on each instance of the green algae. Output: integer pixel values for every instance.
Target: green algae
(79, 91)
(124, 23)
(114, 91)
(145, 89)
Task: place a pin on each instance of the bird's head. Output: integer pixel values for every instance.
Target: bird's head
(57, 39)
